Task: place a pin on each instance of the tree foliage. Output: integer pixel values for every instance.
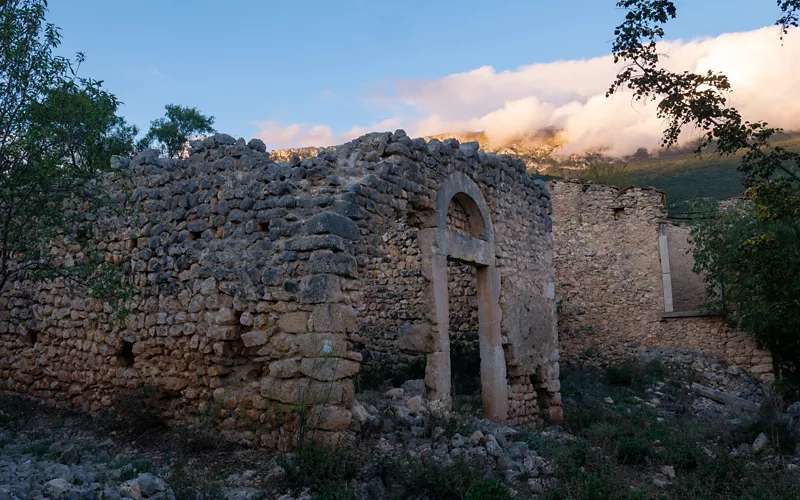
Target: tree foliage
(603, 170)
(753, 249)
(172, 132)
(57, 133)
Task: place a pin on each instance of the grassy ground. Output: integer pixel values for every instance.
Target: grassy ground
(620, 450)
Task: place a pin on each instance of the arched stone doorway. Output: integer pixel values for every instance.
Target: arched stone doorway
(477, 249)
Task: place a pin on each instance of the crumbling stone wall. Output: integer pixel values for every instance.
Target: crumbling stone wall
(610, 287)
(265, 286)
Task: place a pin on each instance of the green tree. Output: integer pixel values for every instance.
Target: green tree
(752, 249)
(57, 133)
(601, 169)
(172, 132)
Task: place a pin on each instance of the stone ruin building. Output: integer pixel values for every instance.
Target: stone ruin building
(625, 282)
(262, 287)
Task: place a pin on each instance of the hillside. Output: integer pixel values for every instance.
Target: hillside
(686, 176)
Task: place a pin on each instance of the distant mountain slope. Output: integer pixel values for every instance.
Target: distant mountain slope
(684, 175)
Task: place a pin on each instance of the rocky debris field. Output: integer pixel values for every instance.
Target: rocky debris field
(636, 431)
(48, 453)
(406, 449)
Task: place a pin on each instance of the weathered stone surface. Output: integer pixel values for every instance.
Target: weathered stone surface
(332, 223)
(334, 418)
(320, 288)
(415, 338)
(303, 391)
(336, 318)
(340, 264)
(257, 144)
(254, 338)
(220, 332)
(285, 368)
(316, 242)
(611, 281)
(328, 368)
(294, 322)
(315, 345)
(174, 384)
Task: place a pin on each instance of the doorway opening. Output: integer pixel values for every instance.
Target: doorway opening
(465, 356)
(466, 295)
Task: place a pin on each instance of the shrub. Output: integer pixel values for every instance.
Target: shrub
(320, 467)
(486, 489)
(620, 374)
(187, 486)
(341, 492)
(426, 478)
(632, 451)
(131, 467)
(632, 373)
(139, 411)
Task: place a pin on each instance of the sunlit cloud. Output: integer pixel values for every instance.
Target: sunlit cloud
(570, 96)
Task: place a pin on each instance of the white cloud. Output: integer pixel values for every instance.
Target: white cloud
(571, 95)
(277, 135)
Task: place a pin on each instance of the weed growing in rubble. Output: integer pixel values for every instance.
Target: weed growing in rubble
(619, 447)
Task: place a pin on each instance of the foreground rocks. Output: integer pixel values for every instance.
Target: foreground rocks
(64, 469)
(49, 454)
(409, 425)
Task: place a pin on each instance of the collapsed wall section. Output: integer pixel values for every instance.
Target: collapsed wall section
(244, 279)
(611, 281)
(263, 287)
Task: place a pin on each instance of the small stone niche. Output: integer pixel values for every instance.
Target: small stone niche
(126, 356)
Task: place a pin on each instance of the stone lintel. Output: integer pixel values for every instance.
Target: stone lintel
(468, 249)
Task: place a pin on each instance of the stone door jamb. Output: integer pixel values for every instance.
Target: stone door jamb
(477, 250)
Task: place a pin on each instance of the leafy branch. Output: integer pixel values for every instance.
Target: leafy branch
(695, 99)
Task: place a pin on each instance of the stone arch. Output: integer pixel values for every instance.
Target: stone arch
(476, 249)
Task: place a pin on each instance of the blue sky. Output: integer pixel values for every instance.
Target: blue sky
(324, 61)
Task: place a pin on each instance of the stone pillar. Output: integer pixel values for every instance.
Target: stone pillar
(494, 383)
(437, 371)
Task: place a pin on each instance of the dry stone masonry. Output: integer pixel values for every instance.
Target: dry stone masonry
(264, 287)
(618, 292)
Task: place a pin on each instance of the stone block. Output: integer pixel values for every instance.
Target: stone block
(294, 322)
(758, 369)
(319, 288)
(333, 418)
(226, 316)
(328, 368)
(223, 332)
(303, 391)
(285, 368)
(254, 338)
(336, 318)
(316, 242)
(340, 264)
(416, 338)
(312, 345)
(332, 223)
(174, 384)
